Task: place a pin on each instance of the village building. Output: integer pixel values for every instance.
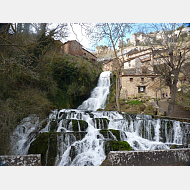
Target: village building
(135, 83)
(75, 48)
(137, 75)
(109, 65)
(138, 78)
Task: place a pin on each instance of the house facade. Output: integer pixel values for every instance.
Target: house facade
(75, 48)
(140, 85)
(137, 77)
(109, 65)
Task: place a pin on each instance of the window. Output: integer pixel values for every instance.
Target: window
(141, 89)
(84, 53)
(152, 78)
(131, 79)
(142, 79)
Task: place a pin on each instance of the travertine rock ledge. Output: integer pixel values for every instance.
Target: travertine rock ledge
(172, 157)
(21, 160)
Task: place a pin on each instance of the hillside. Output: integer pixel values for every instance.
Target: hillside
(37, 78)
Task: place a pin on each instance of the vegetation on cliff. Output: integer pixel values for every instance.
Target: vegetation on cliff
(37, 77)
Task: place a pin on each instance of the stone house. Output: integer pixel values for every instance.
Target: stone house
(134, 85)
(137, 77)
(75, 48)
(161, 35)
(109, 65)
(138, 38)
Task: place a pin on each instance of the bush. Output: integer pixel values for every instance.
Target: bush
(142, 107)
(36, 78)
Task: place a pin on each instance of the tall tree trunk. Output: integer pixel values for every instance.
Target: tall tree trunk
(26, 28)
(173, 90)
(43, 28)
(19, 28)
(118, 92)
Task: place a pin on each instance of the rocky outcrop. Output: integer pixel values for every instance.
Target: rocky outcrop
(20, 160)
(47, 144)
(171, 157)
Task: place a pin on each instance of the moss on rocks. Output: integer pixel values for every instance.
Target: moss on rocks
(116, 133)
(78, 135)
(116, 146)
(44, 124)
(40, 146)
(53, 126)
(174, 146)
(106, 133)
(46, 145)
(101, 123)
(83, 125)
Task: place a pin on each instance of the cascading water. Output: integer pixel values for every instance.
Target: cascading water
(99, 94)
(79, 133)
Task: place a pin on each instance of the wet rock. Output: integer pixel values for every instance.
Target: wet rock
(116, 146)
(72, 153)
(110, 134)
(20, 160)
(176, 157)
(53, 126)
(46, 145)
(101, 123)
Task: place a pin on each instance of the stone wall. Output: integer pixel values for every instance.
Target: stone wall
(132, 84)
(21, 160)
(172, 157)
(73, 48)
(89, 55)
(110, 65)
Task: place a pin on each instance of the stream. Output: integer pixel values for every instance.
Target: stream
(82, 136)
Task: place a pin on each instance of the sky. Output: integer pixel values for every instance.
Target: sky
(83, 40)
(80, 36)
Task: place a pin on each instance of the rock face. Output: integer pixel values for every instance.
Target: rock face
(48, 145)
(172, 157)
(21, 160)
(79, 138)
(51, 145)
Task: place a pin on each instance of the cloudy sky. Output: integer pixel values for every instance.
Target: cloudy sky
(79, 36)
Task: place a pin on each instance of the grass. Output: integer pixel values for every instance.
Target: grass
(134, 102)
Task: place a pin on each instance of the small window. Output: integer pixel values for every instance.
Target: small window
(141, 89)
(152, 78)
(142, 79)
(129, 65)
(131, 79)
(84, 53)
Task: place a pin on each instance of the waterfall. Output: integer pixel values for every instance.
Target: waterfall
(78, 135)
(99, 94)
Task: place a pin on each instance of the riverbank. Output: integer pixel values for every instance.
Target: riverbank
(179, 112)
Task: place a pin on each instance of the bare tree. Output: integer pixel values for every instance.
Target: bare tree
(112, 33)
(170, 50)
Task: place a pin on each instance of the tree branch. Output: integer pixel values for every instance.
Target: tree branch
(18, 48)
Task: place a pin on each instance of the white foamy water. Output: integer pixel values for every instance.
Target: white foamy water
(140, 131)
(99, 94)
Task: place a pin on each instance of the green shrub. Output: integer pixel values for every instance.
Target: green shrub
(134, 102)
